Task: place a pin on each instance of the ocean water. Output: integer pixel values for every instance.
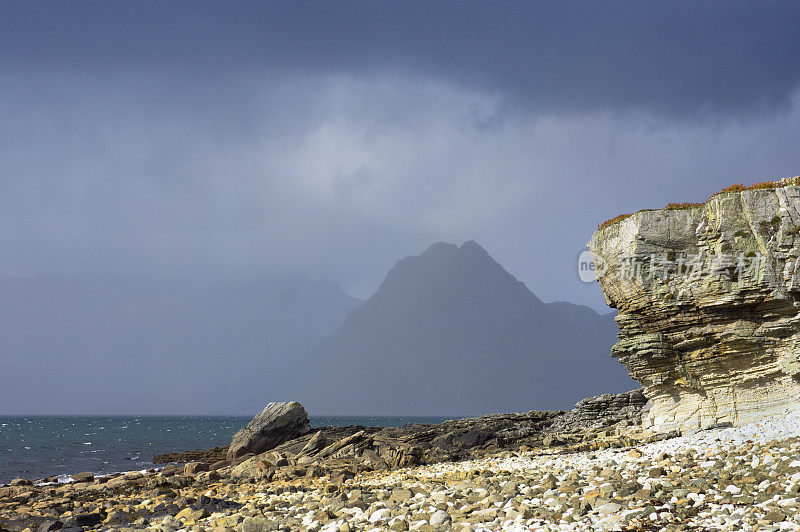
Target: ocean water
(38, 447)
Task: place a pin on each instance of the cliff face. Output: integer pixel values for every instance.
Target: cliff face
(708, 298)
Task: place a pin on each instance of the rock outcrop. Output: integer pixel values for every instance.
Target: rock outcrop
(708, 297)
(596, 422)
(276, 424)
(599, 413)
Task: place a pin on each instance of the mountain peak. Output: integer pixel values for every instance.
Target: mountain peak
(445, 267)
(451, 331)
(446, 247)
(445, 264)
(472, 245)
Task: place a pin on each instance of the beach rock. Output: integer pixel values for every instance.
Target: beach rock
(594, 413)
(219, 464)
(213, 455)
(709, 305)
(190, 515)
(50, 525)
(83, 477)
(193, 468)
(440, 518)
(117, 482)
(317, 442)
(276, 424)
(258, 524)
(83, 520)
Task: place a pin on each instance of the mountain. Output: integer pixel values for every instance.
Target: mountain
(101, 345)
(451, 332)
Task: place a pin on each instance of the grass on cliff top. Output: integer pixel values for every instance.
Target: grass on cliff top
(737, 187)
(682, 206)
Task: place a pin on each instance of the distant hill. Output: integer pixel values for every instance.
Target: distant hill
(451, 332)
(118, 345)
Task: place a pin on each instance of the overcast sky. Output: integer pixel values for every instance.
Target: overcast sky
(238, 139)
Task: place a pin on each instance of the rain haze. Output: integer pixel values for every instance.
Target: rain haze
(164, 164)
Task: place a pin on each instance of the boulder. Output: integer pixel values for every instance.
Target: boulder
(193, 468)
(50, 525)
(82, 520)
(709, 305)
(83, 477)
(276, 424)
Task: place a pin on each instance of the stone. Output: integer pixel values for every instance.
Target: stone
(276, 424)
(315, 471)
(117, 482)
(83, 520)
(709, 305)
(380, 515)
(635, 453)
(609, 508)
(194, 468)
(83, 477)
(208, 476)
(50, 525)
(774, 516)
(257, 524)
(191, 514)
(219, 464)
(440, 518)
(401, 495)
(317, 442)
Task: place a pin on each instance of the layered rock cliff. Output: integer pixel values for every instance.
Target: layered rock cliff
(708, 297)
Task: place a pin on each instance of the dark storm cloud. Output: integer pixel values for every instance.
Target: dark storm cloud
(230, 138)
(675, 58)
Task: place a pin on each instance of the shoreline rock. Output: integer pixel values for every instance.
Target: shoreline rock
(611, 419)
(276, 424)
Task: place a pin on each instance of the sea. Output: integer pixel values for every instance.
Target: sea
(37, 447)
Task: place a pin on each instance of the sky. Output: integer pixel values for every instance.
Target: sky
(242, 139)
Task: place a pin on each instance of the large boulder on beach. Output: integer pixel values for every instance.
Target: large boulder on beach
(276, 424)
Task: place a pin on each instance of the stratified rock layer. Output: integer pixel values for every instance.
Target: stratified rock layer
(708, 301)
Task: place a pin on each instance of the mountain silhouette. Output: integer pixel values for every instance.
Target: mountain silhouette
(451, 332)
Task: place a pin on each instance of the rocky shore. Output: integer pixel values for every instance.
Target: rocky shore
(738, 478)
(293, 458)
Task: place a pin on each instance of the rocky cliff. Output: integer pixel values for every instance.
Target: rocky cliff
(708, 297)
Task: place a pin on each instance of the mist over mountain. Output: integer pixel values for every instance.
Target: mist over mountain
(451, 332)
(448, 332)
(100, 345)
